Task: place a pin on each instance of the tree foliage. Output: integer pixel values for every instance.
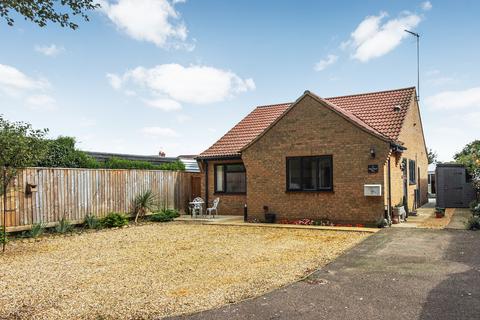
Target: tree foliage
(432, 156)
(21, 146)
(42, 11)
(470, 158)
(117, 163)
(61, 152)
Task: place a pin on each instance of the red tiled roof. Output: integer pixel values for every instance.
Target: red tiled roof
(372, 111)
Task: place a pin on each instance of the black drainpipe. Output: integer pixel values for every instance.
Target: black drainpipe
(389, 209)
(206, 183)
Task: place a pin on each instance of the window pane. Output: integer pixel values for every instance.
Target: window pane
(236, 182)
(235, 168)
(309, 181)
(325, 173)
(412, 170)
(294, 176)
(219, 178)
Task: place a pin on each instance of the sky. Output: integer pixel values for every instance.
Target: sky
(173, 75)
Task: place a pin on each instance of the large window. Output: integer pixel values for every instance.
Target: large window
(412, 170)
(310, 173)
(230, 178)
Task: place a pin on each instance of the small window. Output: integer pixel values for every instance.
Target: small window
(310, 173)
(230, 178)
(412, 170)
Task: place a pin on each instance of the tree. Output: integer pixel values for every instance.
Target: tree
(470, 158)
(432, 156)
(21, 146)
(42, 11)
(61, 152)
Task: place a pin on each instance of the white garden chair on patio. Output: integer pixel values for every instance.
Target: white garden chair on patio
(196, 206)
(213, 208)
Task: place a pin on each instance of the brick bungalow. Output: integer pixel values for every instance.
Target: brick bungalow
(315, 158)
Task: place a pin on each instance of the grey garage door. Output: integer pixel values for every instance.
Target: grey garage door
(453, 188)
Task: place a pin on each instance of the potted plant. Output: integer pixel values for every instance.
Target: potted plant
(439, 212)
(269, 216)
(398, 212)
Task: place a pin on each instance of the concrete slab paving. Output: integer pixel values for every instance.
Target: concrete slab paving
(459, 218)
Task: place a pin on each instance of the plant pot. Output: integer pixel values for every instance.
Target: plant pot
(439, 214)
(397, 214)
(270, 217)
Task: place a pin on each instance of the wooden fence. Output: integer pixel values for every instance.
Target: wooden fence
(45, 195)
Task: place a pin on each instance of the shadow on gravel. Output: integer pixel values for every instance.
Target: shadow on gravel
(458, 296)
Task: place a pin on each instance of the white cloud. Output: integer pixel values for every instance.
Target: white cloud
(164, 104)
(322, 64)
(157, 132)
(373, 39)
(426, 6)
(469, 98)
(114, 80)
(13, 80)
(193, 84)
(50, 51)
(154, 21)
(41, 102)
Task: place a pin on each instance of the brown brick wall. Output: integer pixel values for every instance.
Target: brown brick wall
(412, 137)
(230, 204)
(312, 129)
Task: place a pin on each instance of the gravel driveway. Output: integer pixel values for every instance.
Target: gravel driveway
(395, 274)
(157, 270)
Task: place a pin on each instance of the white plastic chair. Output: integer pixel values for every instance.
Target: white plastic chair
(213, 208)
(197, 206)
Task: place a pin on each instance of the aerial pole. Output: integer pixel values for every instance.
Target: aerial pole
(416, 35)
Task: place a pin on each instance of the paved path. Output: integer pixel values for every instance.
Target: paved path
(394, 274)
(459, 218)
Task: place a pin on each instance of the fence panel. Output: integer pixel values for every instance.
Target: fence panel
(74, 193)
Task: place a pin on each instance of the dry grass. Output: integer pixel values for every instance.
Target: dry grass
(157, 270)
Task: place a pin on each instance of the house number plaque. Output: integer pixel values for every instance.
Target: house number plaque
(373, 168)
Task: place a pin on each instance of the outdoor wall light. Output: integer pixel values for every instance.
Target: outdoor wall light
(372, 152)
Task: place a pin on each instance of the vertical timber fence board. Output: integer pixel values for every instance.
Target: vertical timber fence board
(75, 193)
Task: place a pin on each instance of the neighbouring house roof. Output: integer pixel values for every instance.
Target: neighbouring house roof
(189, 161)
(380, 113)
(104, 156)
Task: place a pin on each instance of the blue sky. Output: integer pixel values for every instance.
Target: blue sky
(150, 75)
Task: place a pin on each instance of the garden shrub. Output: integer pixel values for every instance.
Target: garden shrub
(475, 207)
(473, 223)
(3, 237)
(164, 215)
(91, 222)
(117, 163)
(114, 220)
(37, 230)
(64, 226)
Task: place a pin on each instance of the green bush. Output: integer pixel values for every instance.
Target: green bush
(164, 215)
(37, 230)
(91, 222)
(143, 203)
(475, 207)
(3, 237)
(473, 223)
(114, 220)
(64, 226)
(117, 163)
